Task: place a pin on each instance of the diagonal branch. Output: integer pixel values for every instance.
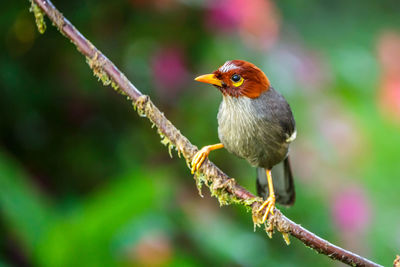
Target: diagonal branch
(224, 188)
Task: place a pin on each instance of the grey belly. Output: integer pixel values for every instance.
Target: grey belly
(260, 142)
(259, 153)
(256, 129)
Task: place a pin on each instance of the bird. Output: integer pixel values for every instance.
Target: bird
(255, 123)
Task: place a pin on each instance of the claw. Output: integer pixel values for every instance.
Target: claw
(201, 155)
(270, 202)
(270, 206)
(199, 158)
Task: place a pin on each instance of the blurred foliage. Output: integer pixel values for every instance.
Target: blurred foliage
(85, 182)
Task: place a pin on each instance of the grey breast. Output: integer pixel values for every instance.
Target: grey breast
(257, 129)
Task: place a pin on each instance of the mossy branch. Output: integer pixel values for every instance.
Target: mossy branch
(221, 186)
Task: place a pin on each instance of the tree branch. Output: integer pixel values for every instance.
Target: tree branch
(221, 186)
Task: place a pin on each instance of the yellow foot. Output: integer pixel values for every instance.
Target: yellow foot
(199, 158)
(269, 206)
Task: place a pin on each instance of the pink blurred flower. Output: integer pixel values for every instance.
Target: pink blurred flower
(222, 15)
(351, 210)
(389, 57)
(389, 52)
(257, 21)
(169, 70)
(389, 97)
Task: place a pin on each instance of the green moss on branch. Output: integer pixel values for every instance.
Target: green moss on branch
(39, 17)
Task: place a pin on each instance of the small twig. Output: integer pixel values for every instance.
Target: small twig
(223, 187)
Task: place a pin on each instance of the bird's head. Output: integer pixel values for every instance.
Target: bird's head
(238, 78)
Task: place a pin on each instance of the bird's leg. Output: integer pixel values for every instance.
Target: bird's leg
(270, 202)
(202, 154)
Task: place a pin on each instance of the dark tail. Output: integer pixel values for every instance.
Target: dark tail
(282, 179)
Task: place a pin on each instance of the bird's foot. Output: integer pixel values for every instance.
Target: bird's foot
(199, 158)
(269, 206)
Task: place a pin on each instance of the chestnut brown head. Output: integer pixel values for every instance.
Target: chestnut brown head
(238, 78)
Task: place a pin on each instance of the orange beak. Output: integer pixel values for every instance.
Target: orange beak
(209, 78)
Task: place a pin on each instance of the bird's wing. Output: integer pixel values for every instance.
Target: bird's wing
(277, 111)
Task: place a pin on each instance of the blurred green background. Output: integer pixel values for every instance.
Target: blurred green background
(84, 181)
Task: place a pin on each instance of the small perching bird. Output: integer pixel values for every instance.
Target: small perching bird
(255, 123)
